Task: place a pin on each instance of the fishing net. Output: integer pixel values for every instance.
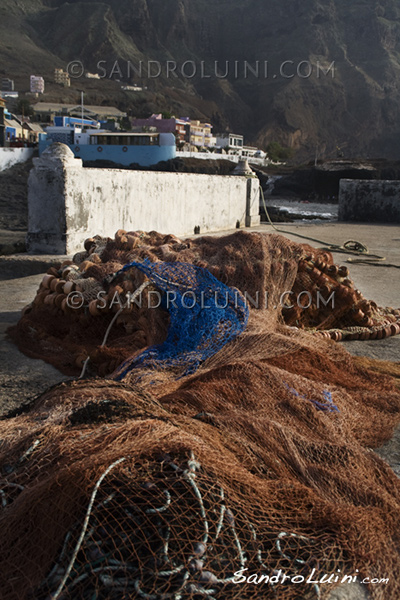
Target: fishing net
(67, 321)
(170, 479)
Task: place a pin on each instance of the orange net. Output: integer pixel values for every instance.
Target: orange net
(293, 282)
(259, 465)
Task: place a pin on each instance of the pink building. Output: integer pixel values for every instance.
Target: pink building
(176, 126)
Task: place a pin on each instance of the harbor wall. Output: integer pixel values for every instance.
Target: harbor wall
(12, 156)
(369, 201)
(68, 203)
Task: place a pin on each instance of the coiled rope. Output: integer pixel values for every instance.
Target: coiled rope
(350, 247)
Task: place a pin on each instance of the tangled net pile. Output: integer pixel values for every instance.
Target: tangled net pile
(164, 480)
(271, 270)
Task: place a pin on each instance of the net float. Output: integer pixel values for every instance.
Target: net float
(395, 329)
(358, 315)
(50, 299)
(69, 287)
(85, 265)
(53, 284)
(59, 288)
(119, 234)
(89, 243)
(39, 298)
(58, 299)
(53, 271)
(94, 309)
(388, 330)
(333, 270)
(66, 263)
(46, 281)
(132, 241)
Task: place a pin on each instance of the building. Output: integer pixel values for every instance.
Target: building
(9, 94)
(252, 151)
(92, 76)
(121, 148)
(14, 132)
(62, 78)
(37, 84)
(75, 121)
(200, 134)
(7, 85)
(131, 88)
(46, 111)
(158, 123)
(32, 132)
(230, 141)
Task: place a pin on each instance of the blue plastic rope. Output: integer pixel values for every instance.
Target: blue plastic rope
(204, 313)
(326, 406)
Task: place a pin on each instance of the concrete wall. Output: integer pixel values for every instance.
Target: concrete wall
(232, 157)
(12, 156)
(369, 201)
(68, 203)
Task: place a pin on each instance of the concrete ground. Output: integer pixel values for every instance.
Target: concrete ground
(379, 283)
(22, 378)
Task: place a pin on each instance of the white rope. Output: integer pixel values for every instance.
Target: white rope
(85, 526)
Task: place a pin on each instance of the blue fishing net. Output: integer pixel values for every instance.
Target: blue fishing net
(325, 405)
(204, 313)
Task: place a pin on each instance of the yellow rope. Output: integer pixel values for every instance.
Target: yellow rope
(349, 247)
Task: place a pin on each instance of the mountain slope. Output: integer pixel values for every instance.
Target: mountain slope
(294, 98)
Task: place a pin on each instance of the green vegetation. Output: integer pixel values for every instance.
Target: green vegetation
(277, 152)
(24, 108)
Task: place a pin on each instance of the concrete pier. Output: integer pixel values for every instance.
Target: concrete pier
(369, 201)
(67, 202)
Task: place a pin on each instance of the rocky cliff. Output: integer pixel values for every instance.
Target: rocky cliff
(320, 76)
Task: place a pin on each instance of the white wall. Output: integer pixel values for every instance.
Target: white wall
(68, 203)
(232, 157)
(12, 156)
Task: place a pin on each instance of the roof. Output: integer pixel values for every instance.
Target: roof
(118, 133)
(33, 127)
(97, 110)
(12, 123)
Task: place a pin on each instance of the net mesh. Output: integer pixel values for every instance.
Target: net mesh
(167, 483)
(295, 283)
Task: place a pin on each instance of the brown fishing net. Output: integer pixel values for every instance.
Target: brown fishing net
(75, 304)
(260, 460)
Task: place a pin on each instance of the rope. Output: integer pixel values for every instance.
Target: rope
(133, 297)
(85, 526)
(371, 262)
(349, 247)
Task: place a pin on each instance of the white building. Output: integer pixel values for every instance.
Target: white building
(231, 141)
(37, 84)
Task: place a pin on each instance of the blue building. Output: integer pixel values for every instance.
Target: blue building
(144, 149)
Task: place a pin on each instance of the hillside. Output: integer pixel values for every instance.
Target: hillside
(353, 106)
